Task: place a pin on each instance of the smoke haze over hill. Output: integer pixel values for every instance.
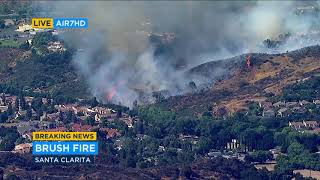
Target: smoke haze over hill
(119, 59)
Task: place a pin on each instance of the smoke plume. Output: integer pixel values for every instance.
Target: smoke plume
(122, 63)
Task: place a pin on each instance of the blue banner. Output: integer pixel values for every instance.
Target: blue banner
(65, 148)
(71, 23)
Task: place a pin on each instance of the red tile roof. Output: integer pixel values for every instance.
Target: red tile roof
(79, 127)
(110, 132)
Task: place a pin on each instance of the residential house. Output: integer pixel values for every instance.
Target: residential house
(87, 128)
(265, 105)
(9, 22)
(23, 148)
(119, 144)
(81, 128)
(21, 22)
(214, 154)
(3, 108)
(81, 118)
(27, 135)
(29, 100)
(20, 114)
(128, 121)
(279, 104)
(316, 102)
(299, 110)
(291, 104)
(111, 133)
(11, 99)
(26, 127)
(109, 117)
(55, 32)
(56, 46)
(234, 144)
(53, 116)
(24, 28)
(8, 99)
(45, 125)
(103, 111)
(283, 112)
(268, 113)
(140, 137)
(65, 108)
(311, 124)
(23, 36)
(50, 117)
(304, 103)
(34, 113)
(45, 100)
(82, 109)
(275, 152)
(193, 139)
(161, 148)
(296, 125)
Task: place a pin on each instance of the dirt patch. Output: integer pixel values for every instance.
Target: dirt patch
(269, 166)
(308, 173)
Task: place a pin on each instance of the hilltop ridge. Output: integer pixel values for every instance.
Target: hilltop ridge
(237, 85)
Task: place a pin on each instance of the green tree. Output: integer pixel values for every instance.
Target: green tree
(10, 109)
(61, 117)
(2, 24)
(3, 98)
(259, 156)
(23, 103)
(37, 104)
(24, 46)
(295, 149)
(42, 39)
(94, 102)
(249, 137)
(204, 145)
(89, 120)
(12, 177)
(16, 104)
(69, 117)
(7, 143)
(29, 113)
(3, 117)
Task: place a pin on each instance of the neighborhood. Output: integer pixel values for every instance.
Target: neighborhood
(25, 114)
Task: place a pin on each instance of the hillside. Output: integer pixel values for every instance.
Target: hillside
(233, 84)
(51, 74)
(267, 76)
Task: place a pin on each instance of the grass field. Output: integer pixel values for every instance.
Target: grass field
(10, 43)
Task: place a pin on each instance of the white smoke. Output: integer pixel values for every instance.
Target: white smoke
(119, 60)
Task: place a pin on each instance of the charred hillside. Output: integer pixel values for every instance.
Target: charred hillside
(239, 84)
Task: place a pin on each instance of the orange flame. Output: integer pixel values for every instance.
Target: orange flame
(248, 60)
(111, 93)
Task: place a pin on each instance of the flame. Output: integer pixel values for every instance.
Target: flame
(248, 60)
(111, 93)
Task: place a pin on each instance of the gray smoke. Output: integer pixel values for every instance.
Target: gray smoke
(121, 63)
